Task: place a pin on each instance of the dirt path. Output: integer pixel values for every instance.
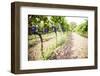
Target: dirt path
(80, 46)
(76, 47)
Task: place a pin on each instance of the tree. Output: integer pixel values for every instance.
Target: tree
(40, 25)
(64, 25)
(82, 28)
(36, 26)
(55, 22)
(72, 26)
(59, 23)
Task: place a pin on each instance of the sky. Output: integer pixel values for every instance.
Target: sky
(77, 20)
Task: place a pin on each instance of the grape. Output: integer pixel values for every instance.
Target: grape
(33, 29)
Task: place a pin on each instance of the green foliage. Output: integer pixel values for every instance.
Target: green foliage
(40, 22)
(60, 22)
(46, 22)
(82, 29)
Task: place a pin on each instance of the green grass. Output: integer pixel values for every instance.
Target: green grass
(60, 41)
(61, 38)
(85, 34)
